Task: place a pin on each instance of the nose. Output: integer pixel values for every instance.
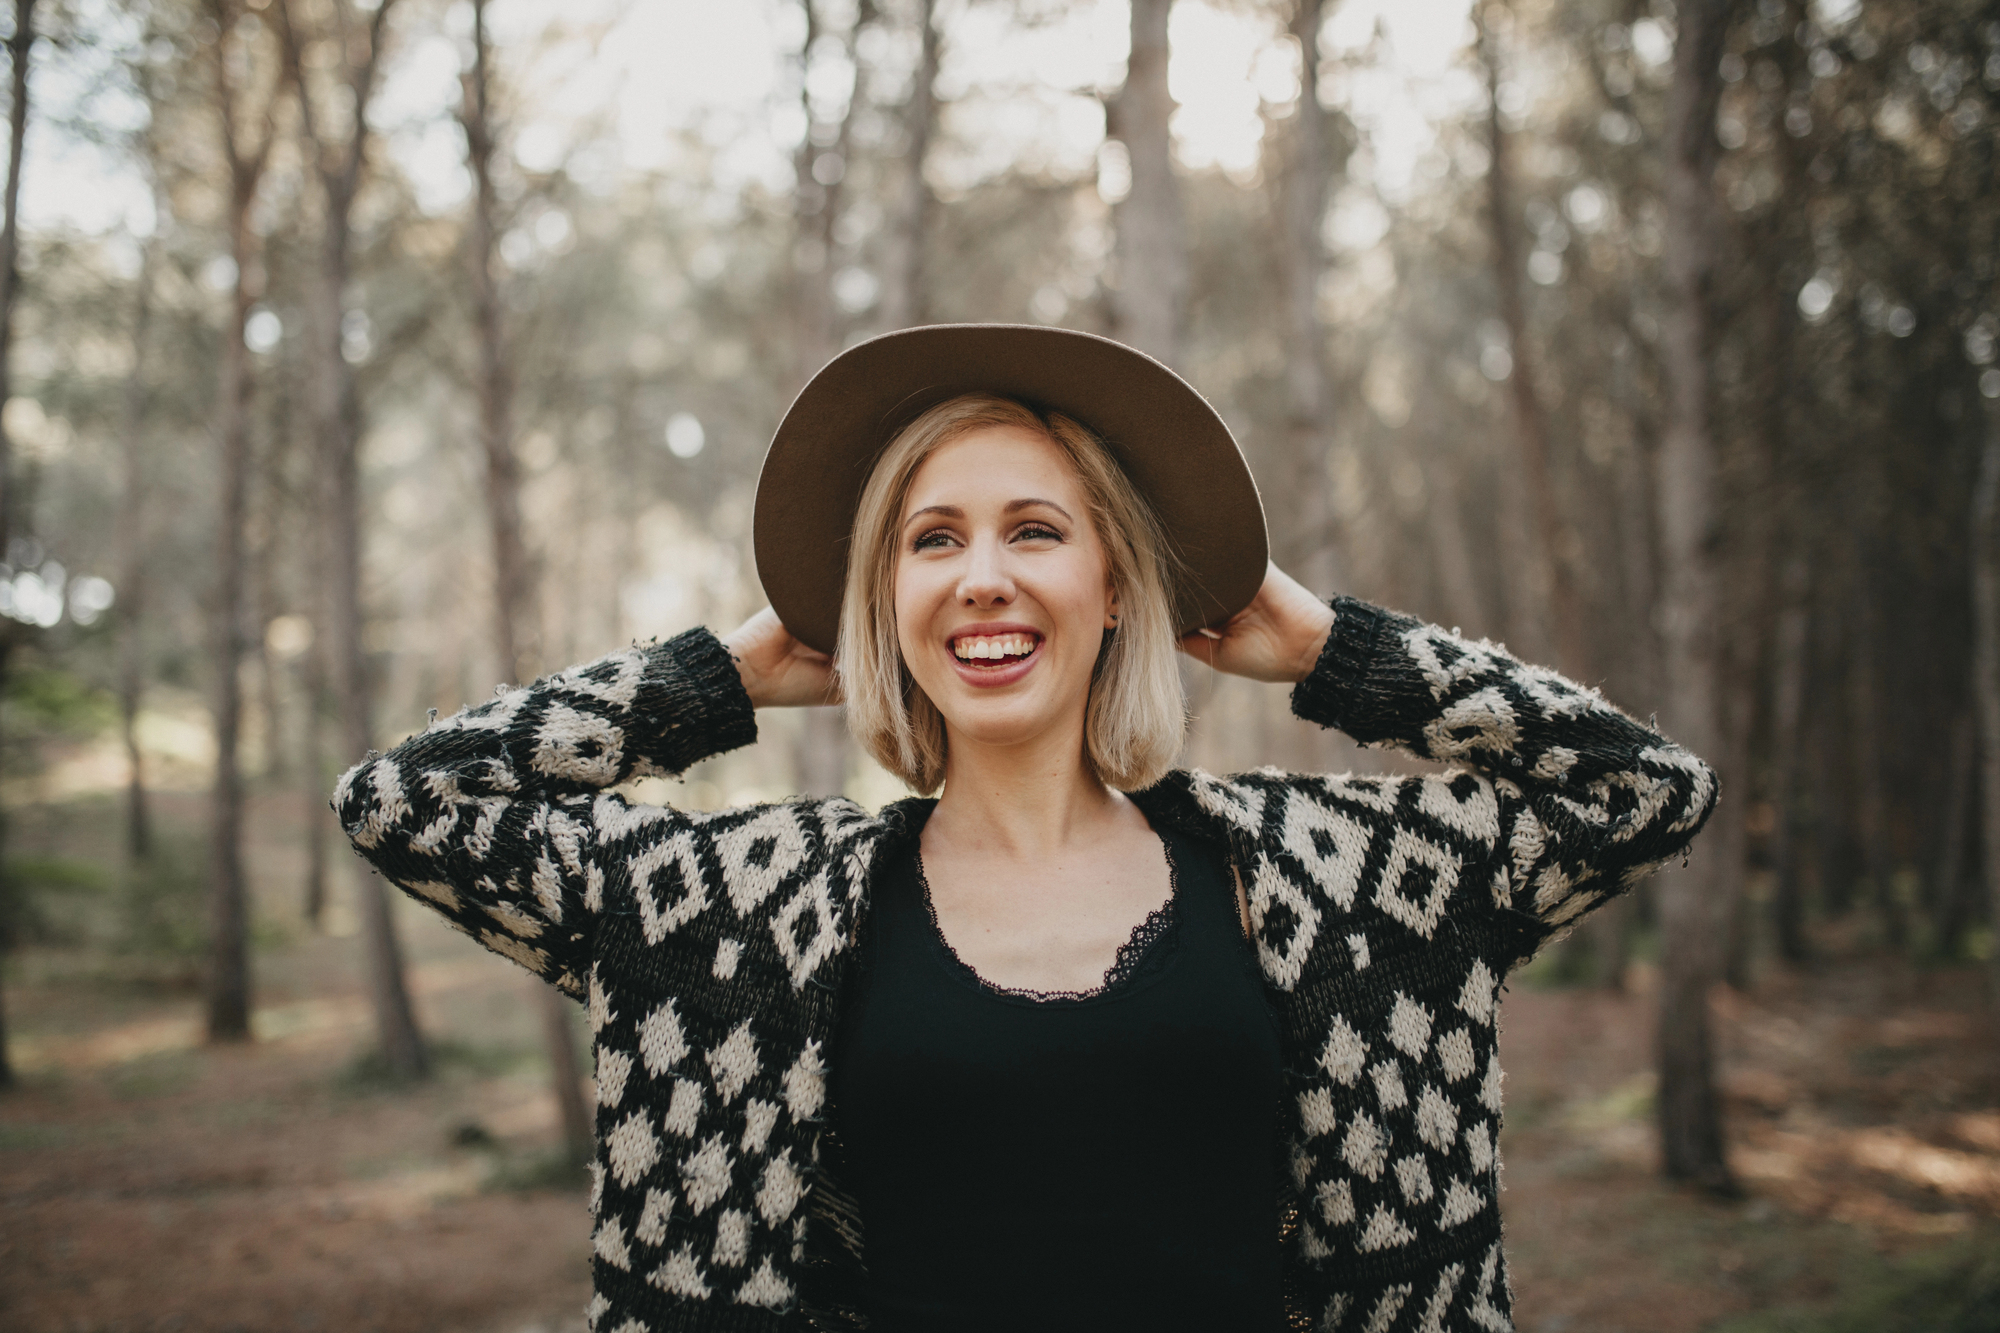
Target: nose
(986, 581)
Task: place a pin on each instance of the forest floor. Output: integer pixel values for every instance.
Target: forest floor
(151, 1183)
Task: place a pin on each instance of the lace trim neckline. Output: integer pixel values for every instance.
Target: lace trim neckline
(1143, 952)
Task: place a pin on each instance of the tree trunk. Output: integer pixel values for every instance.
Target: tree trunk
(1741, 656)
(1639, 572)
(1444, 516)
(565, 1073)
(1728, 834)
(1777, 243)
(1611, 928)
(823, 748)
(1690, 1114)
(905, 287)
(1788, 680)
(337, 410)
(19, 51)
(263, 603)
(312, 763)
(132, 560)
(1296, 490)
(1831, 749)
(1151, 246)
(229, 937)
(20, 47)
(513, 573)
(1951, 907)
(1986, 666)
(1870, 786)
(228, 979)
(1545, 587)
(818, 173)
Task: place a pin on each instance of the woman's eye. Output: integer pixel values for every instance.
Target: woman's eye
(931, 540)
(1036, 532)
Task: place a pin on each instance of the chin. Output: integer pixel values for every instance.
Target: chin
(999, 722)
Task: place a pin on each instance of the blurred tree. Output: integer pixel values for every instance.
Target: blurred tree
(905, 285)
(1790, 643)
(822, 750)
(20, 49)
(1303, 535)
(132, 543)
(247, 85)
(1543, 606)
(336, 141)
(1148, 302)
(1774, 586)
(1690, 1113)
(514, 577)
(1986, 663)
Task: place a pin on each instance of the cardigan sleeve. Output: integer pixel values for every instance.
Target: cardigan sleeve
(487, 816)
(1589, 800)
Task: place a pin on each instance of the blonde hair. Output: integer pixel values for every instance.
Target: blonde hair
(1136, 716)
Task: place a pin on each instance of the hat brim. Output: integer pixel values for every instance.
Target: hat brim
(1171, 443)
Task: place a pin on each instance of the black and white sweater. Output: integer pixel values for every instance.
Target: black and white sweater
(711, 951)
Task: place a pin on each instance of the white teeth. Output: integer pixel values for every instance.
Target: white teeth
(990, 647)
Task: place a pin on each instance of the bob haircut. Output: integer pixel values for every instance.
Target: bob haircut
(1136, 717)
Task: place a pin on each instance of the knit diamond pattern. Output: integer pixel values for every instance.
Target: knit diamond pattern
(710, 951)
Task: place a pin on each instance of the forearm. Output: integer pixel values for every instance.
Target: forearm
(488, 815)
(655, 709)
(1606, 792)
(1388, 678)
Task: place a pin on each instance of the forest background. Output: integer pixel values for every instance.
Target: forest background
(358, 356)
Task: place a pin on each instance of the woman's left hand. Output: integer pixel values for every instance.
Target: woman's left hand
(1277, 637)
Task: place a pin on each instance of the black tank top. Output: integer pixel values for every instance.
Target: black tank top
(1097, 1161)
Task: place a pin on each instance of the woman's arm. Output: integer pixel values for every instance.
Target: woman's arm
(1589, 800)
(491, 816)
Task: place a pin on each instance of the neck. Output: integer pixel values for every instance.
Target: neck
(1022, 801)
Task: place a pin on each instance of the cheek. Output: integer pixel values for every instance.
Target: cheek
(1090, 588)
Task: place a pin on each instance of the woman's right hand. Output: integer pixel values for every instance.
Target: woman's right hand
(777, 670)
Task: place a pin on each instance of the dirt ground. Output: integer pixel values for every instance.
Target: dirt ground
(151, 1183)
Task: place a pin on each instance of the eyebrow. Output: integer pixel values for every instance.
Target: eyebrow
(1013, 507)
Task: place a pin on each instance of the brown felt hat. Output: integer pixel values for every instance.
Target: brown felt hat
(1169, 440)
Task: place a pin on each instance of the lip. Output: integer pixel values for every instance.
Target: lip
(988, 678)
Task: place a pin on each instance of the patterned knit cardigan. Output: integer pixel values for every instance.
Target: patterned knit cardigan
(711, 951)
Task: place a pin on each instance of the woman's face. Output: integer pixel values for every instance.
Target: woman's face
(1003, 591)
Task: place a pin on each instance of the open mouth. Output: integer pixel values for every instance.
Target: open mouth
(995, 650)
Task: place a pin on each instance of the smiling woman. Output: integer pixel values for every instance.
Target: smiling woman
(1084, 1042)
(982, 487)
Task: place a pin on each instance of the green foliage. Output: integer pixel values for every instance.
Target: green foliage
(49, 701)
(1953, 1289)
(34, 1136)
(550, 1170)
(369, 1073)
(52, 897)
(161, 922)
(153, 1076)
